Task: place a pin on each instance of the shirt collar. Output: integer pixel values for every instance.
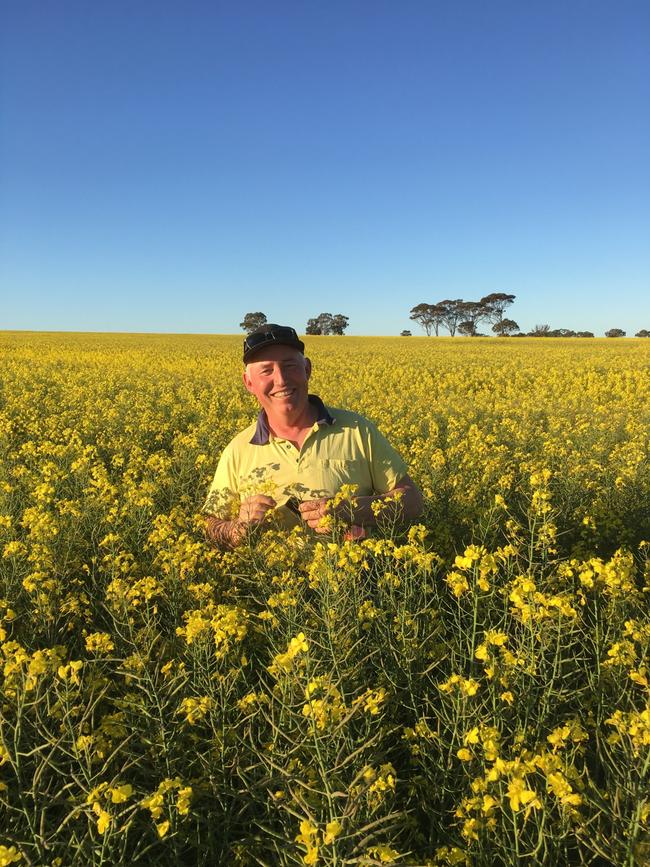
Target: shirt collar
(262, 432)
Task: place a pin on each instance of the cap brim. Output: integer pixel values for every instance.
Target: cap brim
(249, 353)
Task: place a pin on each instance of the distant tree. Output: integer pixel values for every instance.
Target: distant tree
(429, 316)
(540, 331)
(452, 314)
(472, 312)
(252, 321)
(339, 323)
(643, 333)
(615, 332)
(423, 314)
(505, 327)
(325, 323)
(561, 332)
(467, 328)
(495, 306)
(584, 334)
(405, 333)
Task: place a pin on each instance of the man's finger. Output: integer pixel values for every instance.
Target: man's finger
(253, 510)
(262, 500)
(308, 506)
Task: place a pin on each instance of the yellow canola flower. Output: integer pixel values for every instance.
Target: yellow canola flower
(309, 838)
(466, 686)
(99, 642)
(104, 819)
(520, 796)
(163, 827)
(488, 804)
(332, 831)
(195, 708)
(120, 793)
(70, 672)
(9, 855)
(383, 853)
(282, 662)
(183, 800)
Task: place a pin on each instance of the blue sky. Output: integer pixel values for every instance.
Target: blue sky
(169, 166)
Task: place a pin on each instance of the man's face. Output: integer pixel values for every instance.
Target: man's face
(278, 378)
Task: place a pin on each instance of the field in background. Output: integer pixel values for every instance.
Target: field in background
(472, 692)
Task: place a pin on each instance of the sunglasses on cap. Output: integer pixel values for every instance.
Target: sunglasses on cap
(280, 335)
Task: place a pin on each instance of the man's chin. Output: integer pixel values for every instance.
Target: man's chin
(292, 403)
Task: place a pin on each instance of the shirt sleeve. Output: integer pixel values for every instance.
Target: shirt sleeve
(223, 498)
(387, 467)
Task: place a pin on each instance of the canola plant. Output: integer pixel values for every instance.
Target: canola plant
(470, 690)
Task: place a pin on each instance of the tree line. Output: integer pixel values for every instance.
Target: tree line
(324, 323)
(455, 316)
(465, 316)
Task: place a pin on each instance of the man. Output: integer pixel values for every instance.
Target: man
(290, 464)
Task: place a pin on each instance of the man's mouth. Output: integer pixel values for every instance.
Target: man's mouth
(286, 392)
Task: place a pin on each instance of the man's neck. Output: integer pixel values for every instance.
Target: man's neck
(289, 426)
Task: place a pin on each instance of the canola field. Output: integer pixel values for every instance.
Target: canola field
(473, 690)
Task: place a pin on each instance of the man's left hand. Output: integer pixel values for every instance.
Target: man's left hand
(313, 511)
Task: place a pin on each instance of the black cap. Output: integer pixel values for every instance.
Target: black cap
(270, 335)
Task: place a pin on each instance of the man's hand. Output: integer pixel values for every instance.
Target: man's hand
(313, 511)
(253, 509)
(230, 534)
(403, 503)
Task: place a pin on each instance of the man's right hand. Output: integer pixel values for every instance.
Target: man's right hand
(230, 534)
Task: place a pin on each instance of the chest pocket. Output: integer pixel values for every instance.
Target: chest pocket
(325, 477)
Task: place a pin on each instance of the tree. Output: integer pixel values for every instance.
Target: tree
(467, 328)
(615, 332)
(252, 321)
(325, 323)
(584, 334)
(452, 314)
(339, 323)
(423, 314)
(643, 333)
(405, 333)
(561, 332)
(505, 327)
(472, 312)
(429, 316)
(495, 305)
(540, 331)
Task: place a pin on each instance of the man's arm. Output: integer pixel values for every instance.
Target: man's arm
(224, 534)
(230, 534)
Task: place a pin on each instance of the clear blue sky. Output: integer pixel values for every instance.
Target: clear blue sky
(169, 166)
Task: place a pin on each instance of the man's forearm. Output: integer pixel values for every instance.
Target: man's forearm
(225, 534)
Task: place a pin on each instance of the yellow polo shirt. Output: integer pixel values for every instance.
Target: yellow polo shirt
(341, 448)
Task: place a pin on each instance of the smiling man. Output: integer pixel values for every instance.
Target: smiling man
(293, 460)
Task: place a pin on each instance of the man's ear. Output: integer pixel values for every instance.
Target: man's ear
(247, 380)
(308, 367)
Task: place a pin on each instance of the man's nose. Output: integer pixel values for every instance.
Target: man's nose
(279, 377)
